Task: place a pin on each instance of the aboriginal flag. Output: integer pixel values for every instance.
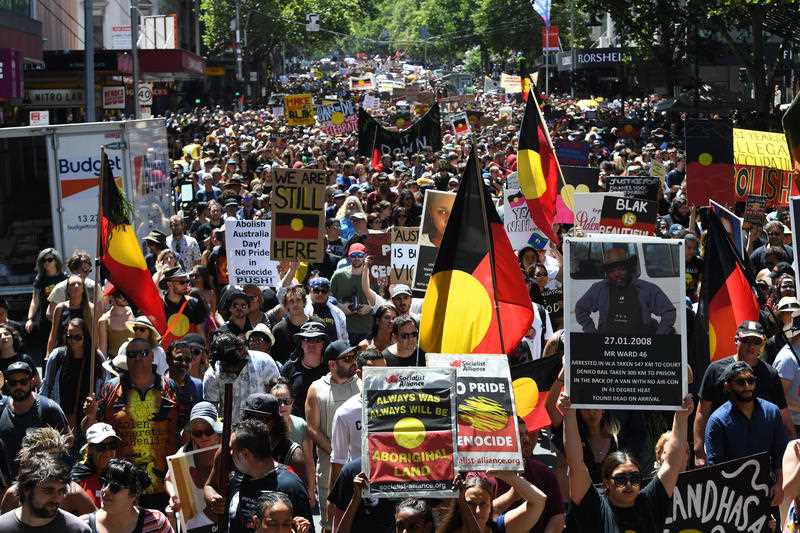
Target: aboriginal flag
(727, 298)
(476, 301)
(120, 252)
(709, 157)
(537, 168)
(791, 128)
(532, 382)
(299, 226)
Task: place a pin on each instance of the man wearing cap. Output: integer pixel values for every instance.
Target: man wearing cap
(185, 247)
(155, 241)
(232, 362)
(625, 303)
(23, 409)
(320, 306)
(401, 297)
(360, 230)
(346, 287)
(260, 338)
(101, 446)
(746, 425)
(237, 304)
(306, 366)
(185, 314)
(749, 340)
(142, 408)
(324, 396)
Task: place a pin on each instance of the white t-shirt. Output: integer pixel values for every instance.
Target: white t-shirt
(346, 432)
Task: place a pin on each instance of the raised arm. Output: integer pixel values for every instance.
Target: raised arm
(675, 450)
(579, 478)
(522, 518)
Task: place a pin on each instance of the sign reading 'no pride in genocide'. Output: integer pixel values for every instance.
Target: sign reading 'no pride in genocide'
(298, 219)
(249, 259)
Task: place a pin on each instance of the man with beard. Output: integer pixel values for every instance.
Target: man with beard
(42, 487)
(346, 287)
(324, 396)
(625, 303)
(746, 425)
(23, 410)
(185, 314)
(237, 304)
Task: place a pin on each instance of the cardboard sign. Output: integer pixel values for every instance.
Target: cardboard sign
(589, 210)
(644, 187)
(298, 214)
(436, 209)
(460, 124)
(409, 439)
(246, 246)
(488, 437)
(194, 515)
(517, 220)
(731, 496)
(625, 349)
(404, 255)
(733, 225)
(573, 153)
(299, 109)
(510, 83)
(379, 251)
(337, 118)
(755, 208)
(628, 216)
(371, 102)
(578, 180)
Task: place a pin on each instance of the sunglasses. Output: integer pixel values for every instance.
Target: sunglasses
(199, 433)
(320, 290)
(409, 335)
(183, 360)
(74, 337)
(140, 329)
(241, 305)
(285, 401)
(358, 255)
(258, 338)
(745, 381)
(49, 259)
(137, 354)
(113, 486)
(180, 281)
(14, 382)
(751, 340)
(634, 478)
(197, 351)
(105, 446)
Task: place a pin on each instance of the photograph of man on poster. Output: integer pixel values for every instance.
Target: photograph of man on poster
(626, 305)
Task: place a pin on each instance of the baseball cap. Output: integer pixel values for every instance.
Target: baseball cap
(359, 214)
(261, 404)
(337, 349)
(19, 366)
(99, 432)
(320, 282)
(788, 303)
(207, 412)
(750, 328)
(357, 248)
(734, 370)
(399, 289)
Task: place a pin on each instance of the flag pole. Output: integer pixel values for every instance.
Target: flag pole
(97, 274)
(487, 230)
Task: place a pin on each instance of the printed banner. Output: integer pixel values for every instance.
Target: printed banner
(435, 213)
(573, 153)
(299, 109)
(298, 214)
(379, 251)
(644, 187)
(517, 221)
(733, 225)
(408, 446)
(246, 246)
(578, 179)
(625, 342)
(338, 117)
(424, 133)
(488, 436)
(755, 208)
(731, 496)
(628, 216)
(194, 515)
(404, 255)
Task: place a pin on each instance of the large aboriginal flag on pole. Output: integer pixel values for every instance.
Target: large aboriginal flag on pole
(120, 252)
(728, 297)
(537, 168)
(477, 300)
(791, 128)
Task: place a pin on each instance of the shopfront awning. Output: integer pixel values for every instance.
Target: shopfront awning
(169, 65)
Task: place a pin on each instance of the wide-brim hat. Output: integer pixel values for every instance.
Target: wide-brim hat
(311, 330)
(170, 274)
(263, 329)
(156, 237)
(144, 322)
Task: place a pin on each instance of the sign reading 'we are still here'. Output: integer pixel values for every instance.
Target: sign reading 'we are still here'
(298, 215)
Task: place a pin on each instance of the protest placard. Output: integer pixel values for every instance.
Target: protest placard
(460, 124)
(436, 209)
(404, 255)
(371, 102)
(628, 216)
(576, 179)
(730, 496)
(625, 341)
(409, 439)
(517, 220)
(574, 153)
(298, 214)
(247, 249)
(299, 109)
(194, 514)
(379, 251)
(510, 83)
(338, 117)
(644, 187)
(589, 209)
(732, 223)
(362, 83)
(755, 207)
(486, 416)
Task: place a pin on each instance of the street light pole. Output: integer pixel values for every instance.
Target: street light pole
(239, 73)
(135, 55)
(88, 62)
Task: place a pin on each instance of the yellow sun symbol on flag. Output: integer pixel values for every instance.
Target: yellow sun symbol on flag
(296, 224)
(337, 118)
(409, 432)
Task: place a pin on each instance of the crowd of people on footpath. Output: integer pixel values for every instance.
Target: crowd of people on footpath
(79, 455)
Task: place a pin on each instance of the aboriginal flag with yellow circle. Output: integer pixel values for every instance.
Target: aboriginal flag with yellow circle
(296, 226)
(537, 168)
(120, 253)
(532, 382)
(477, 300)
(709, 160)
(728, 298)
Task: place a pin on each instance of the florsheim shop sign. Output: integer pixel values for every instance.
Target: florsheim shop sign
(591, 58)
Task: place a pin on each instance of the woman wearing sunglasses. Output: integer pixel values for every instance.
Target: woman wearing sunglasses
(122, 483)
(626, 505)
(101, 447)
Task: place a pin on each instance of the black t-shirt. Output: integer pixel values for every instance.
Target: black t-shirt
(694, 272)
(300, 379)
(230, 327)
(393, 360)
(13, 428)
(245, 493)
(43, 286)
(284, 345)
(218, 266)
(768, 383)
(325, 316)
(336, 247)
(195, 311)
(596, 514)
(375, 515)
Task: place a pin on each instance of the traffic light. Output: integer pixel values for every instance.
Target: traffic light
(238, 93)
(197, 101)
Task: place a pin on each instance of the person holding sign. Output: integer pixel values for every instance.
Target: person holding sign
(626, 505)
(626, 304)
